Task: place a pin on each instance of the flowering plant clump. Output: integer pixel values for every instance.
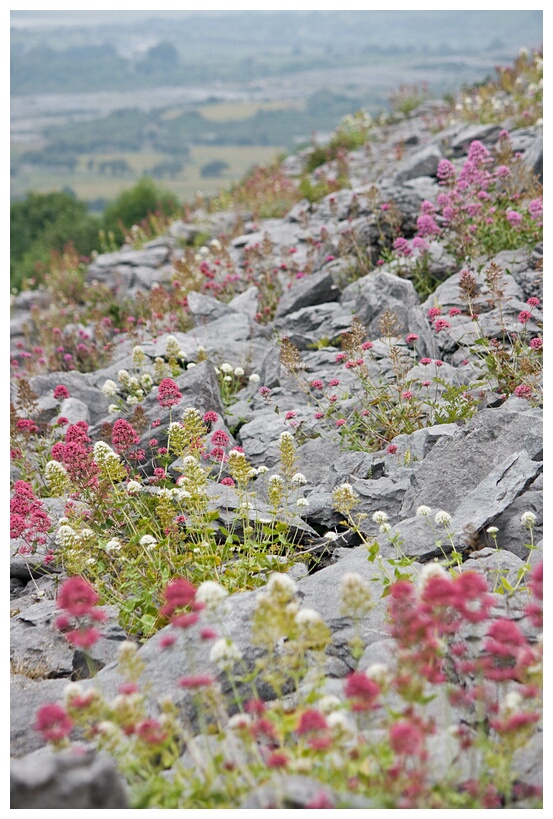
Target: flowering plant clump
(375, 739)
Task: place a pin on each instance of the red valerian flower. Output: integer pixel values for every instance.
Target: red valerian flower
(53, 722)
(77, 596)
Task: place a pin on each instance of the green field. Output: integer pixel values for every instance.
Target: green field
(89, 185)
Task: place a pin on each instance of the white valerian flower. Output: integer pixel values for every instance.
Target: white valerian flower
(238, 372)
(276, 480)
(113, 545)
(254, 378)
(225, 654)
(227, 378)
(385, 528)
(328, 703)
(210, 594)
(281, 587)
(423, 511)
(172, 346)
(66, 536)
(110, 388)
(146, 381)
(262, 469)
(226, 368)
(299, 479)
(355, 592)
(331, 536)
(56, 477)
(338, 721)
(380, 517)
(511, 702)
(138, 356)
(148, 541)
(133, 487)
(132, 400)
(492, 530)
(380, 673)
(123, 377)
(302, 503)
(442, 518)
(528, 519)
(308, 617)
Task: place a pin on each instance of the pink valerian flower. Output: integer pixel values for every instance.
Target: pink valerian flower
(53, 722)
(168, 393)
(207, 633)
(78, 600)
(228, 482)
(220, 438)
(446, 171)
(535, 208)
(277, 760)
(419, 243)
(264, 392)
(218, 454)
(425, 361)
(514, 217)
(524, 316)
(290, 414)
(407, 395)
(454, 311)
(410, 338)
(441, 324)
(123, 436)
(341, 422)
(317, 384)
(362, 690)
(318, 415)
(61, 392)
(179, 593)
(311, 720)
(406, 739)
(426, 226)
(210, 417)
(391, 449)
(28, 518)
(523, 391)
(26, 425)
(340, 357)
(433, 312)
(197, 681)
(367, 345)
(151, 731)
(401, 246)
(533, 301)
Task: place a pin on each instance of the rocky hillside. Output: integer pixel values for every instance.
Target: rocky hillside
(292, 448)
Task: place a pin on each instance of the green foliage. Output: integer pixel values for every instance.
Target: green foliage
(133, 205)
(42, 223)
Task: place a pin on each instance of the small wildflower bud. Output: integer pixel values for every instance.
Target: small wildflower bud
(528, 519)
(380, 517)
(442, 518)
(210, 594)
(225, 654)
